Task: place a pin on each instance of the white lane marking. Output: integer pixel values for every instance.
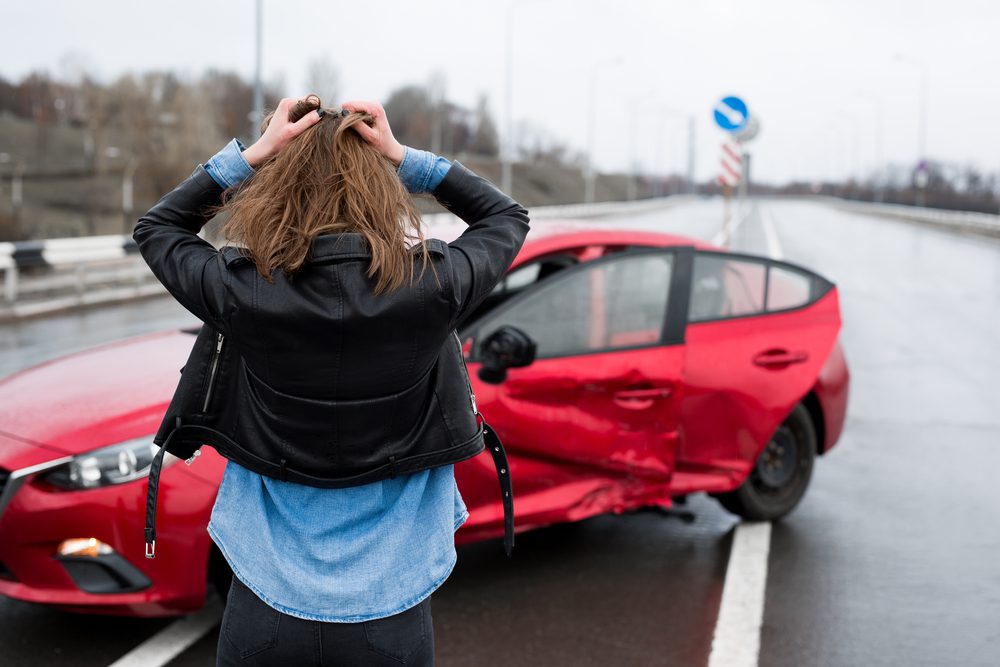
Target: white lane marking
(174, 639)
(770, 233)
(736, 642)
(720, 238)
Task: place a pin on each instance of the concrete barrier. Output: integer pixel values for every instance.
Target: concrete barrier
(962, 221)
(73, 272)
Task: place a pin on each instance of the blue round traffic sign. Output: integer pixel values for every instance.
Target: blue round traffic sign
(731, 113)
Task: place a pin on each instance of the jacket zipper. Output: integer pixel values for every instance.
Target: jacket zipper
(212, 371)
(472, 394)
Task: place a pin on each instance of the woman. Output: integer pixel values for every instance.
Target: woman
(334, 296)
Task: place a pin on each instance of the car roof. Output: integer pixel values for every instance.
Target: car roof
(551, 236)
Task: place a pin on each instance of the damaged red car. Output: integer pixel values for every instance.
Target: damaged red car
(621, 369)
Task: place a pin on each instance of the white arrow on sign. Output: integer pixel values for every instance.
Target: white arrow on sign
(731, 114)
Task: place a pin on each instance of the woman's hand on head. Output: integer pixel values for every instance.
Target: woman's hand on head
(279, 132)
(378, 134)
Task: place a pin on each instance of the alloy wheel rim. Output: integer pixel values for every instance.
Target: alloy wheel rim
(778, 462)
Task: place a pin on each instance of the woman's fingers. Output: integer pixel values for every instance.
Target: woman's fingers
(304, 123)
(369, 134)
(364, 106)
(379, 134)
(280, 130)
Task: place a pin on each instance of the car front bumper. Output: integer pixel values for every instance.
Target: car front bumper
(39, 516)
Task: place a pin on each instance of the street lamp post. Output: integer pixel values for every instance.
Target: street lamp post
(507, 144)
(690, 154)
(127, 199)
(675, 113)
(876, 101)
(258, 86)
(637, 106)
(921, 118)
(853, 174)
(16, 189)
(591, 175)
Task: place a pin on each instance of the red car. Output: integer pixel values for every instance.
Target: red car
(661, 366)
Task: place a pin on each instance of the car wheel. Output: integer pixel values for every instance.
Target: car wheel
(779, 479)
(220, 575)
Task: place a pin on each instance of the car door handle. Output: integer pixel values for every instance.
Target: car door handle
(640, 399)
(655, 392)
(773, 358)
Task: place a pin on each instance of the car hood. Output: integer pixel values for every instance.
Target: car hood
(92, 398)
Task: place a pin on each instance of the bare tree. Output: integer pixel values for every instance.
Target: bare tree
(323, 78)
(485, 140)
(410, 109)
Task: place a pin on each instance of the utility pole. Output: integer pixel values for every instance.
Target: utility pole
(591, 175)
(691, 165)
(921, 122)
(127, 199)
(507, 145)
(876, 101)
(507, 141)
(258, 89)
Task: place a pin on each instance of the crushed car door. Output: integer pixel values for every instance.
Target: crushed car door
(591, 424)
(758, 333)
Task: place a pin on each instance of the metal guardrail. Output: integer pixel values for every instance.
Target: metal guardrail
(96, 269)
(80, 254)
(966, 221)
(88, 270)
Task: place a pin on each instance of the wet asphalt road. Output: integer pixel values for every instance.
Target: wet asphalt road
(891, 559)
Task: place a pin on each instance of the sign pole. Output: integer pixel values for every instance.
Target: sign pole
(727, 194)
(744, 175)
(732, 116)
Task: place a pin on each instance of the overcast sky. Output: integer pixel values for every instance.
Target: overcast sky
(803, 66)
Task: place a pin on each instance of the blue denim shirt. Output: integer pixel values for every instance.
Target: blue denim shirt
(339, 555)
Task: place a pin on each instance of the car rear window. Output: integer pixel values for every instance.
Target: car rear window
(723, 287)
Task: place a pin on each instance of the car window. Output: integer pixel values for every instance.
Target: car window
(787, 288)
(617, 303)
(532, 272)
(516, 281)
(724, 287)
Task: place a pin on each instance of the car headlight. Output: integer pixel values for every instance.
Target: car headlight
(114, 464)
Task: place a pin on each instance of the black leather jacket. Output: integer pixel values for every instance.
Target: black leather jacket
(313, 378)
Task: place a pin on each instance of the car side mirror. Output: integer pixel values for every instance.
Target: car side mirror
(507, 347)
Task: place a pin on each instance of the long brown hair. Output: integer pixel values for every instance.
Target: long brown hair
(328, 179)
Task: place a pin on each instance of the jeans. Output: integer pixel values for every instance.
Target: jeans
(254, 633)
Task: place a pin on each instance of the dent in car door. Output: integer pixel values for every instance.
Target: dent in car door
(591, 425)
(758, 334)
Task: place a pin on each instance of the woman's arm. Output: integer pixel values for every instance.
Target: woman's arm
(191, 269)
(498, 225)
(482, 254)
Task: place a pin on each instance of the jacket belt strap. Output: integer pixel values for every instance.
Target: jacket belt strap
(491, 441)
(151, 492)
(507, 492)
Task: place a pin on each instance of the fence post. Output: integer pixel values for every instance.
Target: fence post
(10, 283)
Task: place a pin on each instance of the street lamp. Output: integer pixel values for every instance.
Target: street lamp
(591, 176)
(258, 87)
(507, 145)
(853, 168)
(921, 119)
(127, 201)
(666, 113)
(16, 187)
(637, 106)
(879, 141)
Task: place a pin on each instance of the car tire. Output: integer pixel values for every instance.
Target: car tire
(220, 575)
(781, 475)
